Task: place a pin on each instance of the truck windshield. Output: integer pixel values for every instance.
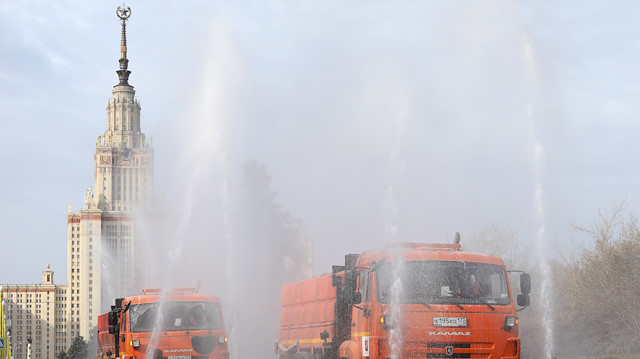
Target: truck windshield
(174, 316)
(443, 282)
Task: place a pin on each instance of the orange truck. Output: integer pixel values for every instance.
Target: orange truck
(174, 324)
(409, 301)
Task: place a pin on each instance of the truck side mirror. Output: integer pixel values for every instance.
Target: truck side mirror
(356, 298)
(524, 300)
(112, 329)
(525, 283)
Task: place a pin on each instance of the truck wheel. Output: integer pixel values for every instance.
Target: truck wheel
(302, 355)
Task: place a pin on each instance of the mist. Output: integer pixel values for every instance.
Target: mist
(376, 122)
(369, 135)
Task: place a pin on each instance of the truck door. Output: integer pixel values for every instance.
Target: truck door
(362, 314)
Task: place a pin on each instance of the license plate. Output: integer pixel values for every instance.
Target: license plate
(179, 357)
(449, 321)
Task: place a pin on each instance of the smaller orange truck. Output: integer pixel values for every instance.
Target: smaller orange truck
(407, 301)
(173, 324)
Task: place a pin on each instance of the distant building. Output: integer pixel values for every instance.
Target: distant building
(102, 249)
(36, 313)
(102, 246)
(5, 343)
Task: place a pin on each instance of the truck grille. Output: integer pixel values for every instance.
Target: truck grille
(444, 345)
(439, 350)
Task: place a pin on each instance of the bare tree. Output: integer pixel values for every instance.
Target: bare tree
(504, 243)
(600, 303)
(500, 242)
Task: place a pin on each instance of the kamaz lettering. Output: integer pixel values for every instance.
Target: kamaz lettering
(449, 333)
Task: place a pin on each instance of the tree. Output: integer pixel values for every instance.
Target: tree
(601, 292)
(500, 242)
(270, 248)
(503, 242)
(262, 225)
(62, 355)
(92, 343)
(78, 349)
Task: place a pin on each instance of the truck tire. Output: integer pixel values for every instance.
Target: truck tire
(302, 355)
(288, 355)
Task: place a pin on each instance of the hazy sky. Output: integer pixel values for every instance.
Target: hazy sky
(413, 119)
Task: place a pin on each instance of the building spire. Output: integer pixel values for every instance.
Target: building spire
(123, 13)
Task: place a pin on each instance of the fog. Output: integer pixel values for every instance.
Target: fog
(377, 122)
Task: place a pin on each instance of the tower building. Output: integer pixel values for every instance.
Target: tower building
(102, 249)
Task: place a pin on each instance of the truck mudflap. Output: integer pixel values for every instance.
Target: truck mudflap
(349, 349)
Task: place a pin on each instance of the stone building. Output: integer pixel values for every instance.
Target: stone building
(102, 249)
(36, 317)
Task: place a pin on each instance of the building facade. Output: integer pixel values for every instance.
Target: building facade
(102, 250)
(36, 318)
(102, 237)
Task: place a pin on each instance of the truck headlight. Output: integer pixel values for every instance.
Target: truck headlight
(134, 343)
(510, 322)
(222, 340)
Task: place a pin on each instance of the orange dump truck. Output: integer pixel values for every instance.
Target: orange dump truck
(411, 300)
(174, 324)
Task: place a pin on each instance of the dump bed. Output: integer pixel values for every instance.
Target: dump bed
(308, 308)
(105, 340)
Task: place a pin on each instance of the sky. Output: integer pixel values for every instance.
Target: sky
(378, 120)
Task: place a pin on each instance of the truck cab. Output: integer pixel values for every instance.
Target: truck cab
(434, 301)
(174, 324)
(410, 300)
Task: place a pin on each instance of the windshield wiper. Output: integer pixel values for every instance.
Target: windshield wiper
(486, 303)
(479, 300)
(450, 295)
(425, 304)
